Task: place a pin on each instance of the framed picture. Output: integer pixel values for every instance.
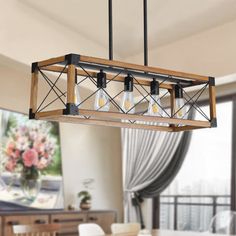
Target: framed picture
(30, 163)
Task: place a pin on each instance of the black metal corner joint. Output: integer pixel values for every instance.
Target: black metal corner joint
(212, 81)
(214, 123)
(72, 59)
(71, 109)
(31, 114)
(34, 67)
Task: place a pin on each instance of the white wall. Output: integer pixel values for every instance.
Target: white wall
(211, 52)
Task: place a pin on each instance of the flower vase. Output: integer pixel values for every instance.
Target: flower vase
(30, 183)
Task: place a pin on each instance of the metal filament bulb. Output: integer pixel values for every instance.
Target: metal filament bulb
(180, 108)
(102, 102)
(154, 107)
(127, 103)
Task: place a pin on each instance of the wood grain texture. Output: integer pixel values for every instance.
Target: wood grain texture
(71, 84)
(118, 117)
(212, 97)
(51, 61)
(36, 230)
(10, 221)
(143, 68)
(80, 120)
(34, 91)
(105, 220)
(69, 220)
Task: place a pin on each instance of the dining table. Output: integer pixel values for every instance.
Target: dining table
(168, 233)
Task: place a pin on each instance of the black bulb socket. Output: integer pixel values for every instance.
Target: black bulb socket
(128, 84)
(178, 91)
(154, 87)
(101, 79)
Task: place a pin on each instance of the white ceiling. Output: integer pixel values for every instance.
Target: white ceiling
(168, 20)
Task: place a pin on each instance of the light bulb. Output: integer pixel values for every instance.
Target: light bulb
(128, 102)
(101, 101)
(77, 96)
(154, 107)
(180, 108)
(77, 99)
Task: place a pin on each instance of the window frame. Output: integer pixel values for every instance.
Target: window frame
(220, 99)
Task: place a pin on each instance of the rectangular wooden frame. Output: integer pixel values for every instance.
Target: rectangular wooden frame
(70, 65)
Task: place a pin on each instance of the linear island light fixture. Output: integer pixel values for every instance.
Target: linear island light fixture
(119, 109)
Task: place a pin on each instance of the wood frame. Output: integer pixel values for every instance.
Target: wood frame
(71, 65)
(41, 229)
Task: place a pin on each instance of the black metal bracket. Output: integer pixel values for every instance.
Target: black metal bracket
(34, 67)
(31, 114)
(71, 109)
(212, 81)
(214, 123)
(72, 59)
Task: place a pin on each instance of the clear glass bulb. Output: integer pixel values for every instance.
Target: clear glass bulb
(77, 100)
(128, 102)
(179, 102)
(101, 101)
(154, 107)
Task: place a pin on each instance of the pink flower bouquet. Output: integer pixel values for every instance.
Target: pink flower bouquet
(29, 149)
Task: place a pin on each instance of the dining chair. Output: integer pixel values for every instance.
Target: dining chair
(90, 229)
(36, 230)
(223, 222)
(118, 228)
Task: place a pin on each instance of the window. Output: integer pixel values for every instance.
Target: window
(202, 187)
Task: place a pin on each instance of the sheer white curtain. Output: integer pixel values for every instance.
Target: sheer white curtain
(146, 154)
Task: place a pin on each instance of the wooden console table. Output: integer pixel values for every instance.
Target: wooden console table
(69, 219)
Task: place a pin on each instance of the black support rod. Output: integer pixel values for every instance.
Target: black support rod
(145, 32)
(110, 30)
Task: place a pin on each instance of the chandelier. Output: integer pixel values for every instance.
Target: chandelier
(168, 95)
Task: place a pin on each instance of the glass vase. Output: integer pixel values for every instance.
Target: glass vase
(30, 184)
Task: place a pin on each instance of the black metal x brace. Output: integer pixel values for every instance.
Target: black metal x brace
(195, 105)
(113, 102)
(51, 87)
(148, 94)
(191, 99)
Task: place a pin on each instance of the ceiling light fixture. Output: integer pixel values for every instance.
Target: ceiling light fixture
(103, 74)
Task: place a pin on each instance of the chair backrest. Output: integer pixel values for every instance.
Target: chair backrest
(133, 228)
(36, 230)
(90, 230)
(223, 222)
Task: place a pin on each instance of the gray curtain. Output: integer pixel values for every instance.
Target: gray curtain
(166, 177)
(150, 162)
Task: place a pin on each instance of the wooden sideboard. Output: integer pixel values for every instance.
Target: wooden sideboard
(68, 219)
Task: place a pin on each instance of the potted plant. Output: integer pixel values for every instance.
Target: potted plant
(85, 200)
